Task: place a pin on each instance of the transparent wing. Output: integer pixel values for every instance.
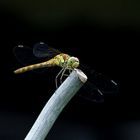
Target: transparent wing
(38, 53)
(43, 50)
(98, 86)
(24, 55)
(104, 83)
(31, 55)
(91, 93)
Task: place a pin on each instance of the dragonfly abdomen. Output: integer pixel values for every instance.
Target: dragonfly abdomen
(58, 60)
(49, 63)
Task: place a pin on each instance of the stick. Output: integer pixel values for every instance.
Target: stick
(56, 104)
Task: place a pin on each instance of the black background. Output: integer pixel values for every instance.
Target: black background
(103, 35)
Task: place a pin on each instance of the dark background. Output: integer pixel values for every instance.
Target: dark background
(103, 35)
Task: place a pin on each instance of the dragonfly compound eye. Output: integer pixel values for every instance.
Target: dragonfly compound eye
(73, 62)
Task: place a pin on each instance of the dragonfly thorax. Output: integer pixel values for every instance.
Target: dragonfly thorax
(72, 62)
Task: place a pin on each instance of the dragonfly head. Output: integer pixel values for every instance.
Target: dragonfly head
(73, 62)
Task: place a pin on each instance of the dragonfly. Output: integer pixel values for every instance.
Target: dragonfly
(93, 90)
(65, 61)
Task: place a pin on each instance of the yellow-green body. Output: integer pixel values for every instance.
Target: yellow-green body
(62, 60)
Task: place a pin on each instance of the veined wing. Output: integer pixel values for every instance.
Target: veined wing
(91, 93)
(97, 86)
(43, 50)
(38, 53)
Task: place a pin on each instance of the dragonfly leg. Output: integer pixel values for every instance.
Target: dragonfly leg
(57, 76)
(63, 74)
(70, 70)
